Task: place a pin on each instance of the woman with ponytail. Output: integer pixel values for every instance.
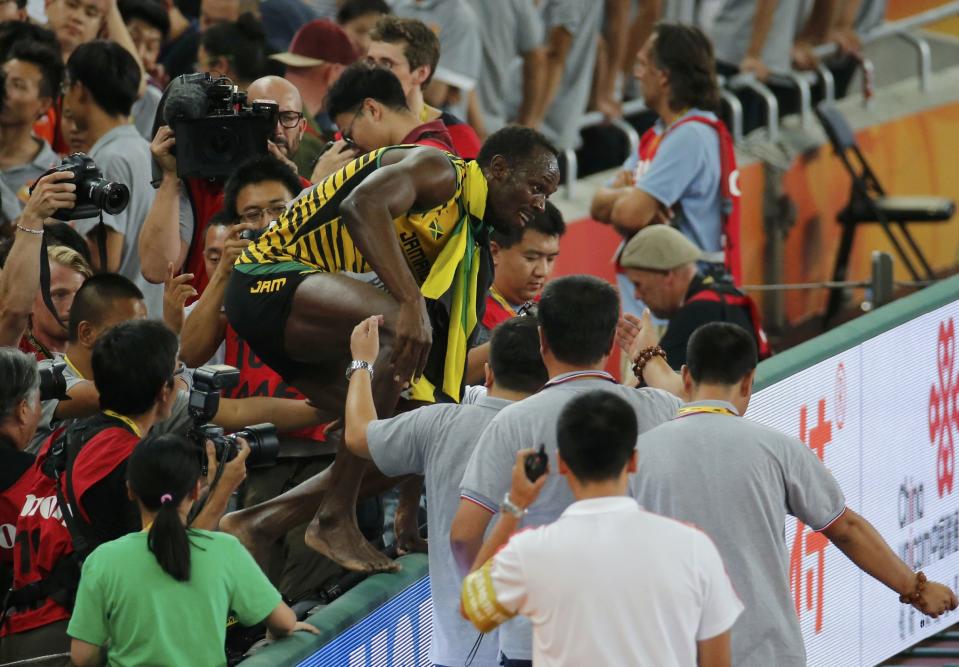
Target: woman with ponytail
(161, 596)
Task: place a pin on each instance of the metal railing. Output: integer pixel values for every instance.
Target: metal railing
(802, 81)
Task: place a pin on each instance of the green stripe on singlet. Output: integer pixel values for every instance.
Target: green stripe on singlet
(279, 267)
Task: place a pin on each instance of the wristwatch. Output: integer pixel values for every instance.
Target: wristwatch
(356, 365)
(510, 507)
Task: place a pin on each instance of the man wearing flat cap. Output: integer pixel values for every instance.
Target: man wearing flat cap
(662, 265)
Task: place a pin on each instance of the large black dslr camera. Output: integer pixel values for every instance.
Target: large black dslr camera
(216, 128)
(94, 193)
(52, 383)
(203, 405)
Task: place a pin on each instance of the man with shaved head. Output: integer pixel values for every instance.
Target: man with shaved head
(290, 123)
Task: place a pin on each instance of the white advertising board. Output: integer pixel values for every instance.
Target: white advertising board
(884, 418)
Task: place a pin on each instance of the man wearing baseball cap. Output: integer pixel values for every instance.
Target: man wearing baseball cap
(318, 54)
(661, 263)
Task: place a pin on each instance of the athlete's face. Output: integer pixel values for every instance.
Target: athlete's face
(517, 191)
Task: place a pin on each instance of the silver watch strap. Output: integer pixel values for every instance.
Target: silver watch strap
(356, 365)
(510, 507)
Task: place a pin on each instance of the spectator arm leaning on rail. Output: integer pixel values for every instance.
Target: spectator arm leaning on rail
(558, 42)
(821, 18)
(753, 63)
(20, 278)
(843, 31)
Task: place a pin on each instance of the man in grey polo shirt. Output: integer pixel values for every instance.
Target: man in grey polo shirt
(436, 441)
(99, 106)
(736, 480)
(577, 316)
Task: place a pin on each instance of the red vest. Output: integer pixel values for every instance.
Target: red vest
(258, 379)
(729, 192)
(206, 198)
(731, 296)
(11, 502)
(465, 140)
(42, 535)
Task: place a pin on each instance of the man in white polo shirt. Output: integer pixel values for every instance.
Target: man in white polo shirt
(608, 583)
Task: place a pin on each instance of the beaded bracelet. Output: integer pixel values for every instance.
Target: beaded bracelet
(912, 598)
(644, 357)
(38, 232)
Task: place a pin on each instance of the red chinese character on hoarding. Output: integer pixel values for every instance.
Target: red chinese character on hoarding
(943, 414)
(808, 542)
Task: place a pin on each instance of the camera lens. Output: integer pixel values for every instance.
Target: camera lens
(109, 196)
(264, 445)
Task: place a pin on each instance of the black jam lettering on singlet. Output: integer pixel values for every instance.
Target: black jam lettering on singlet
(413, 249)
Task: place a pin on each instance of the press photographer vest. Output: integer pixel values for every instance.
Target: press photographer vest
(727, 295)
(729, 191)
(206, 198)
(258, 379)
(46, 560)
(15, 482)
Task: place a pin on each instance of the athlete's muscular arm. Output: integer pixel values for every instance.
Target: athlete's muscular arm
(422, 177)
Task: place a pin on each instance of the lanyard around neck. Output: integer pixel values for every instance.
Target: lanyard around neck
(704, 409)
(580, 375)
(73, 368)
(126, 420)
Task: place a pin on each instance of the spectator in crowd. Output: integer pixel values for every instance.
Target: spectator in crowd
(661, 264)
(411, 50)
(46, 332)
(453, 77)
(132, 398)
(148, 24)
(369, 106)
(677, 175)
(282, 19)
(102, 82)
(19, 416)
(754, 475)
(185, 579)
(357, 18)
(625, 567)
(577, 317)
(851, 21)
(180, 54)
(571, 28)
(319, 52)
(32, 74)
(515, 29)
(436, 441)
(236, 50)
(291, 123)
(12, 32)
(14, 10)
(76, 22)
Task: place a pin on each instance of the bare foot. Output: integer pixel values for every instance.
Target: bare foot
(243, 528)
(336, 536)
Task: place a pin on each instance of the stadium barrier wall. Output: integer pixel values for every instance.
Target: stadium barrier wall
(877, 399)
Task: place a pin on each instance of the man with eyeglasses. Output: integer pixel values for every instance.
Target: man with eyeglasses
(291, 122)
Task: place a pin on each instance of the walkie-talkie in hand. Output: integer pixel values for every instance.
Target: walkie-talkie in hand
(536, 464)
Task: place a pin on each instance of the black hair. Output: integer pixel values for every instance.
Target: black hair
(95, 298)
(61, 233)
(45, 58)
(132, 362)
(596, 435)
(12, 32)
(109, 72)
(150, 12)
(221, 219)
(354, 9)
(514, 355)
(257, 170)
(162, 471)
(720, 353)
(20, 379)
(687, 54)
(361, 81)
(515, 143)
(242, 42)
(578, 315)
(550, 222)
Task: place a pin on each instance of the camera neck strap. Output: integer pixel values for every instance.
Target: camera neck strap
(102, 244)
(45, 281)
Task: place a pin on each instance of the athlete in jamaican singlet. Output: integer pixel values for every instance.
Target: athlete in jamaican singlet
(418, 218)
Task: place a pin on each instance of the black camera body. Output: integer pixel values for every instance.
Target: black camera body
(52, 383)
(203, 405)
(216, 128)
(94, 193)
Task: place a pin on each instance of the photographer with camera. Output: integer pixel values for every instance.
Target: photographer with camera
(102, 81)
(218, 129)
(78, 498)
(20, 278)
(184, 579)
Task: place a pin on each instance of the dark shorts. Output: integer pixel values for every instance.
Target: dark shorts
(258, 306)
